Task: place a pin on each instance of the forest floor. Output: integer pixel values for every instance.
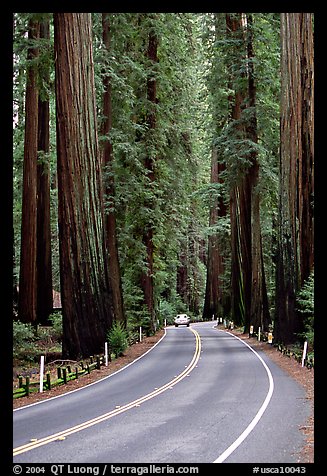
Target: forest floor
(303, 375)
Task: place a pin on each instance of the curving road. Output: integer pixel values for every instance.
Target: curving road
(201, 395)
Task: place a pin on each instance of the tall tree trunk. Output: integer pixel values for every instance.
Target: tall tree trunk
(182, 273)
(237, 288)
(240, 200)
(259, 314)
(147, 282)
(86, 302)
(27, 280)
(306, 159)
(245, 236)
(213, 294)
(296, 163)
(44, 264)
(216, 300)
(110, 215)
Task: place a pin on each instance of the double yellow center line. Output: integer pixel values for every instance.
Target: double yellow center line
(106, 416)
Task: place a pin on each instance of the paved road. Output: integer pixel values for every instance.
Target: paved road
(200, 395)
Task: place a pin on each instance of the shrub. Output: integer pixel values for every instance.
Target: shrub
(305, 305)
(57, 329)
(23, 337)
(117, 339)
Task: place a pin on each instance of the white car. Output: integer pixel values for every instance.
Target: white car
(182, 320)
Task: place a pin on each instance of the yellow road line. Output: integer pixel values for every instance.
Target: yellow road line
(106, 416)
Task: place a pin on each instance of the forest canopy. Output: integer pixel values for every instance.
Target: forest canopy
(163, 163)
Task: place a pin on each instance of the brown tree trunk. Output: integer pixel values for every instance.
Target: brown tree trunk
(213, 294)
(147, 283)
(259, 313)
(27, 303)
(216, 302)
(110, 214)
(86, 301)
(295, 226)
(182, 274)
(240, 200)
(44, 265)
(245, 236)
(306, 159)
(237, 293)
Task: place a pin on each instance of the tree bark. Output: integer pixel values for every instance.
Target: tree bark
(295, 221)
(240, 199)
(27, 303)
(110, 214)
(147, 283)
(213, 295)
(44, 264)
(86, 300)
(259, 313)
(306, 159)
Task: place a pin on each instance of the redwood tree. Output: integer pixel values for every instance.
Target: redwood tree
(44, 262)
(146, 281)
(107, 159)
(27, 303)
(259, 311)
(211, 300)
(86, 302)
(240, 194)
(295, 220)
(249, 293)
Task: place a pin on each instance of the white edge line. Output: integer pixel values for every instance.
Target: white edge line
(261, 411)
(93, 383)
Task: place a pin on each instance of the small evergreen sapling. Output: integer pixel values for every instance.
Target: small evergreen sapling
(117, 339)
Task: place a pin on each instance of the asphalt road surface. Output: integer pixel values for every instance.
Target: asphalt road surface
(201, 395)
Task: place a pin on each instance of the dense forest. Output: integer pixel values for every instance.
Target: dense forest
(163, 163)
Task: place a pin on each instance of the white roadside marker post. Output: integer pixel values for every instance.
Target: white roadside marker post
(305, 348)
(106, 353)
(140, 333)
(259, 334)
(41, 373)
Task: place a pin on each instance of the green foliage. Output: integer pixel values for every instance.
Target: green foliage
(57, 326)
(117, 339)
(23, 337)
(305, 305)
(197, 72)
(169, 309)
(31, 341)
